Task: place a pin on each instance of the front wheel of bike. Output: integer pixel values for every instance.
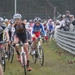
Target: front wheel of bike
(24, 65)
(11, 54)
(34, 57)
(3, 61)
(41, 56)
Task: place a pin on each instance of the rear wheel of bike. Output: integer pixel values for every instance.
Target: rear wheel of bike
(41, 56)
(29, 49)
(3, 61)
(24, 65)
(8, 53)
(11, 54)
(34, 57)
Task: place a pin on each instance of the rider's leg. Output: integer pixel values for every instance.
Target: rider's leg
(16, 40)
(26, 50)
(27, 56)
(7, 38)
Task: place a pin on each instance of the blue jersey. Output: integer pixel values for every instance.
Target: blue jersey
(38, 29)
(51, 27)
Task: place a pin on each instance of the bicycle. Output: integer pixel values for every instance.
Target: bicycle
(50, 34)
(10, 53)
(39, 53)
(23, 57)
(2, 56)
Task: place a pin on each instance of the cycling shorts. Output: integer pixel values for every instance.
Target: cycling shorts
(1, 37)
(37, 34)
(22, 37)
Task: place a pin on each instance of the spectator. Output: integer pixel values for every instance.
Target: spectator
(62, 20)
(66, 25)
(67, 15)
(71, 18)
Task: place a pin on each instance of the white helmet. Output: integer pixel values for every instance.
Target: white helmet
(17, 16)
(1, 19)
(6, 20)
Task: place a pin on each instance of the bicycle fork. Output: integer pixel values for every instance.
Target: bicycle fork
(23, 56)
(39, 45)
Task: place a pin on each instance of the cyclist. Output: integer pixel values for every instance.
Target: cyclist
(6, 22)
(36, 32)
(8, 30)
(45, 29)
(20, 34)
(50, 26)
(2, 29)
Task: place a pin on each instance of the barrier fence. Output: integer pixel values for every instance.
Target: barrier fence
(65, 40)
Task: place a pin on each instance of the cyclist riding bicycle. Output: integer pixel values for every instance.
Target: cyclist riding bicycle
(50, 26)
(20, 35)
(2, 29)
(36, 32)
(8, 29)
(45, 29)
(6, 22)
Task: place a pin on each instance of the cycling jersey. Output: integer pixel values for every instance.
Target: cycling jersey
(37, 30)
(2, 27)
(20, 32)
(19, 29)
(50, 27)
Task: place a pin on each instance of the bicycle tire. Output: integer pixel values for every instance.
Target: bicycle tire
(8, 53)
(11, 54)
(41, 56)
(24, 65)
(34, 57)
(29, 49)
(3, 65)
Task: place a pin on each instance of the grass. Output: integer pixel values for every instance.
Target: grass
(57, 62)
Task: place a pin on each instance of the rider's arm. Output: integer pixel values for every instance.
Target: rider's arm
(3, 26)
(33, 30)
(42, 29)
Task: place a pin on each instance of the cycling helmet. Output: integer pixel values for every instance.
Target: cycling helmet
(6, 20)
(30, 21)
(16, 16)
(67, 21)
(45, 22)
(37, 19)
(1, 19)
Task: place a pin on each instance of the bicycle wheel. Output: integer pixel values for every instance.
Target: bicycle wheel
(24, 65)
(41, 56)
(8, 53)
(11, 54)
(3, 60)
(34, 57)
(29, 49)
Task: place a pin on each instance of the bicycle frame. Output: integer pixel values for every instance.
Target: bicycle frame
(23, 57)
(22, 52)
